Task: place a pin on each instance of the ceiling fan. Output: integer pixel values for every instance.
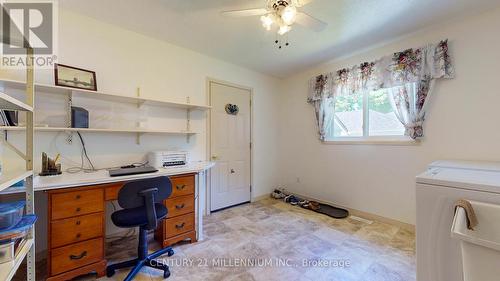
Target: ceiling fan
(281, 14)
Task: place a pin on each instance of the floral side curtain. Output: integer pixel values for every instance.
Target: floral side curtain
(408, 75)
(410, 78)
(322, 98)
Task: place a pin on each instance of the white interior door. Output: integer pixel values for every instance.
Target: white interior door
(230, 146)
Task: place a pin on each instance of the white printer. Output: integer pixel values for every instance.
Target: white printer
(160, 159)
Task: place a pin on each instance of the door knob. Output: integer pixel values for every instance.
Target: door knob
(215, 157)
(232, 171)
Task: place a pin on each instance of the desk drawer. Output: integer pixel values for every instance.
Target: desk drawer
(111, 191)
(72, 230)
(74, 256)
(180, 205)
(179, 225)
(182, 185)
(76, 203)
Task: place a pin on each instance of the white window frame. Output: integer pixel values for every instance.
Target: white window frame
(366, 138)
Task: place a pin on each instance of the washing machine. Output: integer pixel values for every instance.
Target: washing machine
(437, 189)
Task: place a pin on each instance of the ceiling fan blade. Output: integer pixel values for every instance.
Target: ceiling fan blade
(245, 13)
(301, 3)
(310, 22)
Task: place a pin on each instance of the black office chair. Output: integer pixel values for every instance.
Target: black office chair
(142, 203)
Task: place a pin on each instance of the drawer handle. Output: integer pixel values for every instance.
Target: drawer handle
(178, 207)
(78, 196)
(78, 235)
(180, 187)
(78, 257)
(180, 226)
(78, 222)
(78, 209)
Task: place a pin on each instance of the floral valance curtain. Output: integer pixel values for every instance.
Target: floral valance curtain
(408, 75)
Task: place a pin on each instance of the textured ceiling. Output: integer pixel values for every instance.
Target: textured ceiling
(198, 25)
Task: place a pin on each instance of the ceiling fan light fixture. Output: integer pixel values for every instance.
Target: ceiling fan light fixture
(279, 16)
(289, 14)
(284, 29)
(267, 22)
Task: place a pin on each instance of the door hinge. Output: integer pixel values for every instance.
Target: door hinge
(250, 188)
(250, 145)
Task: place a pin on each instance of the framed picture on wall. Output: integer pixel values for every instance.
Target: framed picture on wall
(74, 77)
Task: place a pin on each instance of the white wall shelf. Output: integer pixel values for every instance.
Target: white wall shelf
(12, 40)
(9, 178)
(9, 103)
(98, 130)
(15, 84)
(7, 270)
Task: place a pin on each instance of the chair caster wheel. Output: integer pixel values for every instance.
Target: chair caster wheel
(170, 253)
(166, 273)
(110, 272)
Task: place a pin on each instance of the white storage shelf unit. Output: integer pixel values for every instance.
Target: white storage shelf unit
(12, 175)
(7, 179)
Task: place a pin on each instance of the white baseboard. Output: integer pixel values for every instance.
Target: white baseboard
(258, 198)
(354, 212)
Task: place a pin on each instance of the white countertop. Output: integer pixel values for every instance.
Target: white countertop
(66, 180)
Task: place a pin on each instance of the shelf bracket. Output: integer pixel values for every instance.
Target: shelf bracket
(69, 102)
(188, 119)
(188, 123)
(17, 151)
(138, 123)
(138, 94)
(138, 138)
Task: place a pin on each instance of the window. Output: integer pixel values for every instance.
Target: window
(363, 116)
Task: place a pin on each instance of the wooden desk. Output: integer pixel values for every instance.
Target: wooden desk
(77, 221)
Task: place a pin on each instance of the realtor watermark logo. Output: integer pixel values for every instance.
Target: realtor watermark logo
(29, 24)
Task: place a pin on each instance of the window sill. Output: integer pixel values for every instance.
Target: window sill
(396, 141)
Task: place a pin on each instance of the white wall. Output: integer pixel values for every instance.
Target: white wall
(461, 123)
(124, 60)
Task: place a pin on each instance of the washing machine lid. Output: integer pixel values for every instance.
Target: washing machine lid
(468, 165)
(471, 175)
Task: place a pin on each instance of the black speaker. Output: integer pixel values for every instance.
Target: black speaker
(79, 117)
